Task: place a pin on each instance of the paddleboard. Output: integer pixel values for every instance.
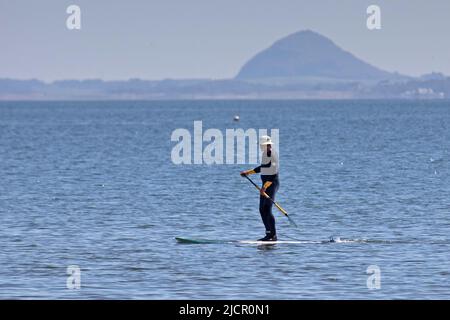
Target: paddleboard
(256, 242)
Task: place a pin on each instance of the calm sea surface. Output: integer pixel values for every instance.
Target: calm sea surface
(92, 184)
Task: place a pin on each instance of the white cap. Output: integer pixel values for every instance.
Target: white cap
(265, 140)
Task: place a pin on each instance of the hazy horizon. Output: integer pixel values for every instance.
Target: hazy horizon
(209, 39)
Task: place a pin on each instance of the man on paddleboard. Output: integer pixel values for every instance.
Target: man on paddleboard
(269, 177)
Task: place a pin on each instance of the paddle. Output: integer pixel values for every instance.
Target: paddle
(276, 204)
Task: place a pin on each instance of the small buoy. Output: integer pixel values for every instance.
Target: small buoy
(236, 118)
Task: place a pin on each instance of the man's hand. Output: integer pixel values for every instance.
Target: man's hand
(244, 173)
(262, 191)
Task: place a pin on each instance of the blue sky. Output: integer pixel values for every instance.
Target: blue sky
(181, 39)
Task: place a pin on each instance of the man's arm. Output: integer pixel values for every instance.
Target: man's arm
(252, 171)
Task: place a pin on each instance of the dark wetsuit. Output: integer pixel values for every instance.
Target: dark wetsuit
(269, 172)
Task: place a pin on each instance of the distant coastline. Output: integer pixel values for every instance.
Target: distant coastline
(11, 90)
(303, 65)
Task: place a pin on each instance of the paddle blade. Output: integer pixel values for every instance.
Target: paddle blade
(286, 214)
(292, 221)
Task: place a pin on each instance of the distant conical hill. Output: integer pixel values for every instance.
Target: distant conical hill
(307, 54)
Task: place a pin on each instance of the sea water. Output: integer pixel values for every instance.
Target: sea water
(93, 185)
